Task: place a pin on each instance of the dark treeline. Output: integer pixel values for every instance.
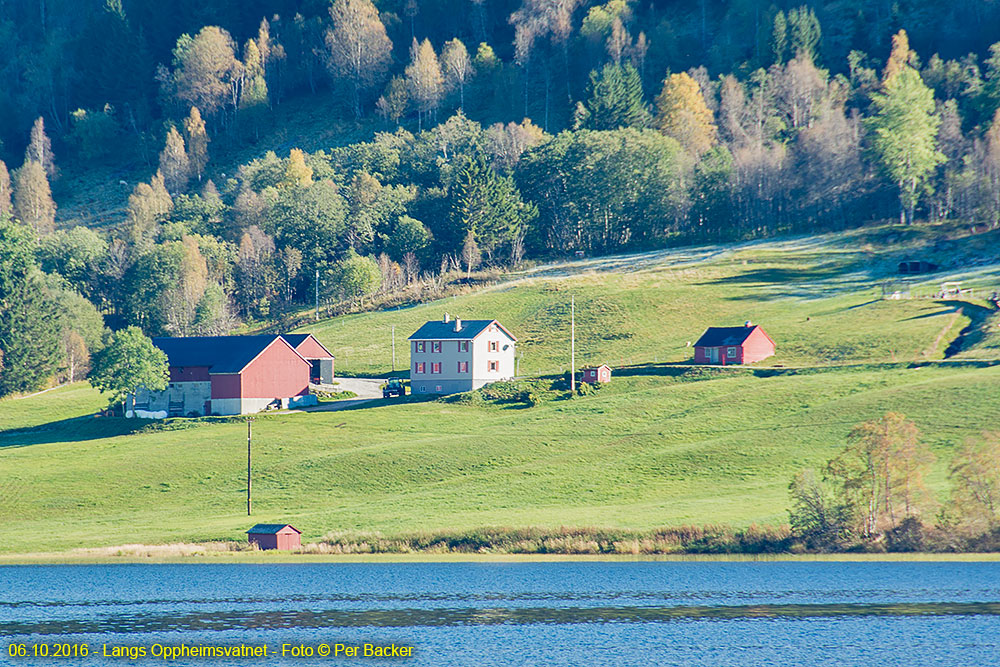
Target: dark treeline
(503, 131)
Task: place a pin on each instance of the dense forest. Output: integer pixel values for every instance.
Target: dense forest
(492, 131)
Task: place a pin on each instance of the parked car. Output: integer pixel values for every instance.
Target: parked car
(394, 387)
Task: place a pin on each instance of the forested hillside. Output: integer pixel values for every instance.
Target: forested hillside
(419, 141)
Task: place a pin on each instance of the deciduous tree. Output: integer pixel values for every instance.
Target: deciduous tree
(129, 361)
(33, 202)
(197, 142)
(174, 163)
(683, 114)
(424, 79)
(360, 51)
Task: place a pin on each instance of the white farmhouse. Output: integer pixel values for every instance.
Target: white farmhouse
(450, 356)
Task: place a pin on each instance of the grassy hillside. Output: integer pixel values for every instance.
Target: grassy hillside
(819, 298)
(661, 445)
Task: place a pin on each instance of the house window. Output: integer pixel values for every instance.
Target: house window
(420, 347)
(437, 389)
(436, 367)
(494, 346)
(423, 390)
(420, 367)
(436, 346)
(493, 366)
(463, 346)
(731, 353)
(463, 367)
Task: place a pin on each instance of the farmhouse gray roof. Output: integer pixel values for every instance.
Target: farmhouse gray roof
(221, 354)
(271, 528)
(468, 329)
(719, 336)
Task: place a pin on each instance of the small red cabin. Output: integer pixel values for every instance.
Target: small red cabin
(275, 536)
(594, 374)
(733, 345)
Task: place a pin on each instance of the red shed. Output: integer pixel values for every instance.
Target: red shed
(594, 374)
(280, 536)
(317, 355)
(733, 345)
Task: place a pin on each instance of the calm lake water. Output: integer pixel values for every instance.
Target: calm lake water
(599, 613)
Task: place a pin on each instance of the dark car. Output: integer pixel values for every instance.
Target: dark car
(393, 387)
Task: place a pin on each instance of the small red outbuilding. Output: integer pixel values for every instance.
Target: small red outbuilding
(275, 536)
(594, 374)
(733, 345)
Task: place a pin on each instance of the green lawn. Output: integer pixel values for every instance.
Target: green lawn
(656, 447)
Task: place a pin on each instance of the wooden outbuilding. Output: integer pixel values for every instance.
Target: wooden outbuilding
(733, 345)
(594, 374)
(281, 536)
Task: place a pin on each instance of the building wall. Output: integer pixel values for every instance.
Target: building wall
(277, 372)
(478, 356)
(189, 374)
(311, 349)
(263, 540)
(240, 406)
(757, 346)
(194, 395)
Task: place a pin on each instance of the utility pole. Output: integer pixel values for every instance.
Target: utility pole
(572, 344)
(249, 440)
(317, 295)
(393, 348)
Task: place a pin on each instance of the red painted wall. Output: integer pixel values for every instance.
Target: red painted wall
(285, 539)
(277, 372)
(311, 349)
(189, 374)
(227, 386)
(757, 346)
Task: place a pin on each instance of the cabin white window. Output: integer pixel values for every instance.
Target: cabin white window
(493, 366)
(436, 346)
(463, 367)
(420, 346)
(420, 367)
(494, 346)
(463, 346)
(436, 367)
(731, 353)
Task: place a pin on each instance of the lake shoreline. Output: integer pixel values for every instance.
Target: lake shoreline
(284, 558)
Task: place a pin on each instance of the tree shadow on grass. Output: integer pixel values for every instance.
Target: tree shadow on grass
(75, 429)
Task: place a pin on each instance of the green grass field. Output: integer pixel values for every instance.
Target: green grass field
(656, 447)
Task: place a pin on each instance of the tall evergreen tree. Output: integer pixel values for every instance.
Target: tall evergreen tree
(30, 331)
(489, 206)
(615, 100)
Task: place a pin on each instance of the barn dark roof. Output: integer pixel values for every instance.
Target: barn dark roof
(439, 330)
(718, 336)
(222, 354)
(271, 528)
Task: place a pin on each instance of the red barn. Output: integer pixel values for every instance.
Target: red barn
(317, 354)
(280, 536)
(594, 374)
(227, 375)
(733, 345)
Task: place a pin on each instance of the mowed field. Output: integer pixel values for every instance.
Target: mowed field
(659, 446)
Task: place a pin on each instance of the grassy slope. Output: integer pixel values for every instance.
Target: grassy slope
(650, 449)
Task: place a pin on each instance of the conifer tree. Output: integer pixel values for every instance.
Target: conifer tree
(683, 114)
(33, 203)
(197, 142)
(615, 99)
(779, 38)
(174, 163)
